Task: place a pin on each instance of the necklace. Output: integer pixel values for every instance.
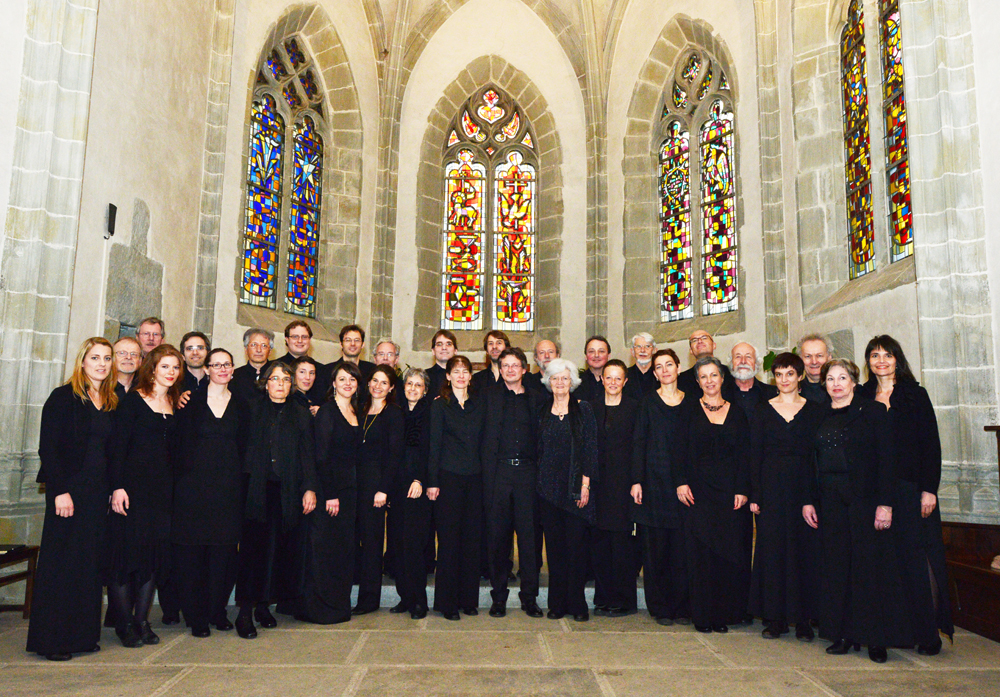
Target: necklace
(712, 407)
(368, 424)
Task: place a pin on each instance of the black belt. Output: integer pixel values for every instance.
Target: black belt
(517, 462)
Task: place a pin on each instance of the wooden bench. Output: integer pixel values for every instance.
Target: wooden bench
(19, 555)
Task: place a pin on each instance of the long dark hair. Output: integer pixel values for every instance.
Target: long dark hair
(353, 371)
(446, 391)
(892, 347)
(145, 377)
(389, 398)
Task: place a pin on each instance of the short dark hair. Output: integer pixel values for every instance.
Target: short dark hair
(389, 398)
(892, 347)
(218, 350)
(669, 352)
(352, 328)
(153, 320)
(355, 372)
(845, 363)
(294, 365)
(615, 363)
(788, 360)
(298, 323)
(597, 337)
(195, 335)
(517, 353)
(446, 391)
(449, 335)
(496, 334)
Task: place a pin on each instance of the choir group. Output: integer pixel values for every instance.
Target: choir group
(809, 502)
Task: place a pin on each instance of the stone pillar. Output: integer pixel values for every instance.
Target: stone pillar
(40, 237)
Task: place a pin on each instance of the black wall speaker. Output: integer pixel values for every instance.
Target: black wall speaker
(112, 212)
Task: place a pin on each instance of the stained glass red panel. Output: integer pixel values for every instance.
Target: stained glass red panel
(894, 118)
(718, 211)
(675, 225)
(262, 214)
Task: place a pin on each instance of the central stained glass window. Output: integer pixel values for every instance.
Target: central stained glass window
(699, 101)
(284, 183)
(490, 186)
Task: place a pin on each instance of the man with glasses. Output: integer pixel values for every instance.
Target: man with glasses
(352, 343)
(387, 353)
(128, 356)
(257, 344)
(298, 341)
(641, 380)
(194, 347)
(150, 333)
(702, 345)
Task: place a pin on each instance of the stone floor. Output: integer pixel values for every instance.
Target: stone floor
(386, 655)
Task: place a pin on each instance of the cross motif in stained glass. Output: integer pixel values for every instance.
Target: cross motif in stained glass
(276, 65)
(295, 54)
(513, 253)
(861, 233)
(490, 111)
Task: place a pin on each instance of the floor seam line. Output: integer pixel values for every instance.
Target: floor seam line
(546, 649)
(356, 680)
(912, 659)
(358, 646)
(715, 652)
(162, 689)
(603, 684)
(162, 648)
(817, 683)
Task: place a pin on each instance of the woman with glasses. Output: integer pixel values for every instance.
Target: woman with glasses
(281, 489)
(208, 503)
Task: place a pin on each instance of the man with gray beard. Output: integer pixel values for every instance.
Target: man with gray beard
(745, 389)
(641, 380)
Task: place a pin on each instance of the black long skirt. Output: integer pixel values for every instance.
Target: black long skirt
(719, 562)
(330, 563)
(271, 558)
(66, 607)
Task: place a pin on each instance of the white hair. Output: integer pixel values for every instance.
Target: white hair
(756, 356)
(645, 336)
(257, 331)
(395, 346)
(817, 337)
(561, 365)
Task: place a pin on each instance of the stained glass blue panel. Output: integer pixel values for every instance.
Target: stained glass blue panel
(303, 243)
(263, 204)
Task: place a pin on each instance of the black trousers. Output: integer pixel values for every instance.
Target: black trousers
(370, 527)
(203, 573)
(169, 593)
(408, 523)
(613, 561)
(567, 547)
(512, 508)
(271, 558)
(459, 522)
(665, 576)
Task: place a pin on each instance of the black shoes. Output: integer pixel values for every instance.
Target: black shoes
(222, 624)
(929, 649)
(499, 609)
(399, 609)
(531, 609)
(581, 617)
(803, 632)
(264, 617)
(841, 647)
(59, 656)
(128, 636)
(553, 615)
(418, 612)
(363, 610)
(685, 621)
(245, 627)
(664, 621)
(451, 616)
(147, 634)
(720, 629)
(470, 611)
(703, 628)
(774, 630)
(171, 619)
(878, 654)
(201, 632)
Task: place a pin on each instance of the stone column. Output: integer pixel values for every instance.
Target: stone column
(40, 238)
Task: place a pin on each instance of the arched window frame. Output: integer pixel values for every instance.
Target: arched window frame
(281, 232)
(490, 174)
(699, 273)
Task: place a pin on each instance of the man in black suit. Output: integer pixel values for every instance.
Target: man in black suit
(194, 347)
(597, 351)
(641, 380)
(510, 473)
(494, 343)
(701, 344)
(745, 389)
(352, 343)
(257, 344)
(444, 345)
(815, 350)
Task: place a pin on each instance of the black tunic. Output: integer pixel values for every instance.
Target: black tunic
(484, 380)
(748, 400)
(66, 607)
(612, 490)
(208, 502)
(244, 382)
(567, 451)
(785, 582)
(455, 435)
(382, 448)
(142, 466)
(659, 446)
(717, 469)
(639, 383)
(590, 388)
(814, 392)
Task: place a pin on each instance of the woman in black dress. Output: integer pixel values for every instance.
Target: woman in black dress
(304, 372)
(916, 518)
(567, 463)
(410, 510)
(714, 483)
(330, 568)
(612, 543)
(280, 472)
(208, 496)
(861, 593)
(142, 499)
(784, 587)
(378, 462)
(73, 445)
(455, 481)
(659, 446)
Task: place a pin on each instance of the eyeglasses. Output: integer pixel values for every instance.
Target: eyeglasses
(219, 366)
(194, 348)
(127, 354)
(299, 337)
(277, 380)
(150, 335)
(255, 345)
(700, 340)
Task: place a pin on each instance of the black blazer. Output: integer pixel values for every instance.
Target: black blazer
(492, 430)
(614, 462)
(289, 439)
(63, 439)
(870, 453)
(915, 433)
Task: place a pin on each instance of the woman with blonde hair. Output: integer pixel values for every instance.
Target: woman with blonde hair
(73, 445)
(142, 493)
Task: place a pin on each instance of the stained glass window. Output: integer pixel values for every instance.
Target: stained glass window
(861, 233)
(709, 261)
(490, 180)
(896, 147)
(286, 115)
